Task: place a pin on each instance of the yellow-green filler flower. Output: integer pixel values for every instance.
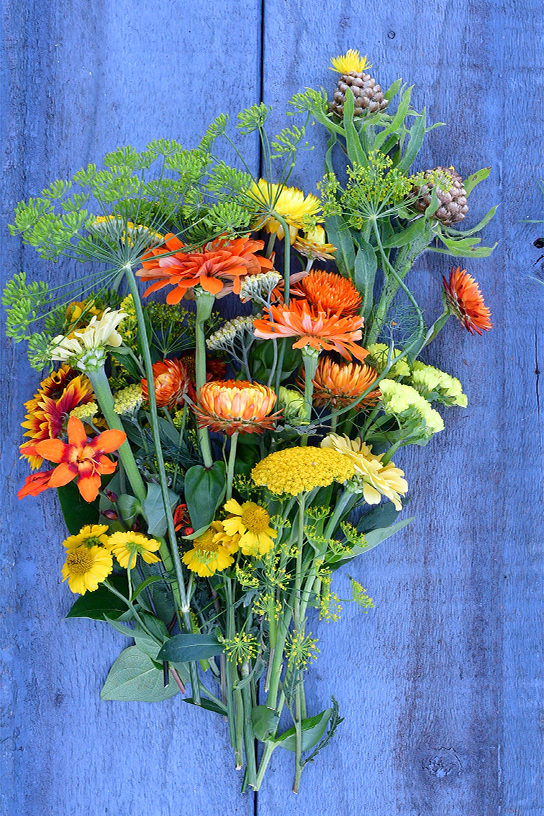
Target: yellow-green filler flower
(437, 386)
(412, 411)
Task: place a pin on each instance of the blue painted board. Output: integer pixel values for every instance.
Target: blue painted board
(441, 683)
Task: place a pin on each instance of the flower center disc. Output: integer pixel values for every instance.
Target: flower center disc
(79, 561)
(255, 518)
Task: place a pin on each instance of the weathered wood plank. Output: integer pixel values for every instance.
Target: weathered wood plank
(80, 79)
(439, 684)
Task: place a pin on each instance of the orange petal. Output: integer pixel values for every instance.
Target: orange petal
(172, 242)
(106, 465)
(174, 296)
(76, 432)
(108, 441)
(62, 475)
(52, 449)
(212, 285)
(89, 486)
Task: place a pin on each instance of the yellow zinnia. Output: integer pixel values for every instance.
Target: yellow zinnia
(377, 479)
(92, 535)
(251, 522)
(289, 202)
(128, 546)
(297, 470)
(208, 554)
(86, 567)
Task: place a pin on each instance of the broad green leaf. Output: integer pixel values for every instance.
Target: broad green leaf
(417, 134)
(76, 511)
(204, 490)
(129, 507)
(147, 644)
(187, 648)
(148, 581)
(406, 236)
(134, 677)
(375, 537)
(393, 90)
(339, 235)
(353, 144)
(312, 731)
(365, 268)
(381, 516)
(154, 509)
(126, 631)
(398, 119)
(102, 602)
(265, 722)
(471, 182)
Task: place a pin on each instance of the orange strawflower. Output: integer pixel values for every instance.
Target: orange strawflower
(465, 301)
(171, 383)
(328, 290)
(313, 327)
(218, 267)
(80, 458)
(50, 407)
(340, 384)
(236, 406)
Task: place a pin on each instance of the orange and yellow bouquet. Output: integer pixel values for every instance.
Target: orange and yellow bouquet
(222, 448)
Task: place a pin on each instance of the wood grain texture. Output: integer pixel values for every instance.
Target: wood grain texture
(440, 683)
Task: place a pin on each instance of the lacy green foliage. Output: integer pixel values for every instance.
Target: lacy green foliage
(289, 141)
(253, 118)
(172, 328)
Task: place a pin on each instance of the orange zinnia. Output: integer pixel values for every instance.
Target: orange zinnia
(328, 290)
(80, 458)
(465, 301)
(222, 259)
(171, 383)
(236, 406)
(340, 384)
(313, 327)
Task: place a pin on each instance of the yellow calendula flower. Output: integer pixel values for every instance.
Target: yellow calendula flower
(128, 546)
(92, 535)
(376, 479)
(86, 567)
(208, 555)
(297, 470)
(251, 522)
(289, 202)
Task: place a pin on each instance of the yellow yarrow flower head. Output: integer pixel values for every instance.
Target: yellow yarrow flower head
(375, 480)
(86, 567)
(378, 355)
(437, 386)
(350, 61)
(84, 412)
(298, 470)
(411, 410)
(128, 400)
(92, 535)
(128, 546)
(251, 522)
(208, 555)
(298, 210)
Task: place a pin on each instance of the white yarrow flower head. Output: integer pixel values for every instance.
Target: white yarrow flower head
(87, 348)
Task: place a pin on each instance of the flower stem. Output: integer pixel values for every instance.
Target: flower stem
(204, 305)
(231, 463)
(311, 360)
(249, 739)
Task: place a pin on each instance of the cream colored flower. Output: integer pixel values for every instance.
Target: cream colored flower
(86, 349)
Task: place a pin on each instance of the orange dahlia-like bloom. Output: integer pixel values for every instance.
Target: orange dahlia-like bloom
(340, 384)
(218, 267)
(171, 383)
(50, 407)
(328, 290)
(313, 327)
(80, 458)
(236, 406)
(465, 301)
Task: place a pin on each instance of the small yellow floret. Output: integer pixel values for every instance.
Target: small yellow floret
(351, 61)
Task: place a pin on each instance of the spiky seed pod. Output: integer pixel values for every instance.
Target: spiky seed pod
(366, 91)
(451, 193)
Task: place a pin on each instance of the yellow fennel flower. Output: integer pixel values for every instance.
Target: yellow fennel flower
(296, 470)
(251, 522)
(86, 567)
(128, 546)
(208, 555)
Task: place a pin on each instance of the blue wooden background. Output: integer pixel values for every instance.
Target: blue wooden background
(441, 683)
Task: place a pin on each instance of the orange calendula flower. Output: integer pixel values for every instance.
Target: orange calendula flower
(465, 301)
(218, 267)
(313, 327)
(171, 383)
(80, 458)
(328, 290)
(50, 408)
(340, 384)
(236, 406)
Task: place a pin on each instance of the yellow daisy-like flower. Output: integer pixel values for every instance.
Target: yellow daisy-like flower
(314, 245)
(251, 522)
(351, 61)
(92, 535)
(128, 546)
(297, 470)
(377, 480)
(208, 554)
(290, 203)
(86, 567)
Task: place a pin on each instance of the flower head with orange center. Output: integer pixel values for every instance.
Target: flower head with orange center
(328, 290)
(236, 406)
(341, 384)
(51, 406)
(171, 383)
(80, 458)
(315, 328)
(218, 267)
(465, 301)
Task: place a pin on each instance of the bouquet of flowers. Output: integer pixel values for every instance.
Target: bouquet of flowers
(219, 453)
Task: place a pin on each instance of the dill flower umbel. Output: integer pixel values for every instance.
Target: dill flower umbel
(465, 301)
(405, 403)
(376, 479)
(236, 406)
(86, 568)
(340, 384)
(298, 470)
(208, 555)
(251, 522)
(436, 385)
(128, 546)
(289, 202)
(329, 291)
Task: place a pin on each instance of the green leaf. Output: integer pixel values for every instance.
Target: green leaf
(312, 731)
(140, 588)
(129, 507)
(470, 183)
(417, 134)
(76, 511)
(134, 677)
(398, 119)
(365, 268)
(204, 491)
(406, 236)
(126, 631)
(393, 90)
(485, 220)
(147, 644)
(187, 648)
(154, 509)
(209, 705)
(96, 605)
(265, 722)
(375, 537)
(381, 516)
(339, 235)
(353, 144)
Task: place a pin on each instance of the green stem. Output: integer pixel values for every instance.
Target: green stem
(249, 739)
(311, 360)
(231, 463)
(338, 510)
(234, 713)
(101, 388)
(204, 305)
